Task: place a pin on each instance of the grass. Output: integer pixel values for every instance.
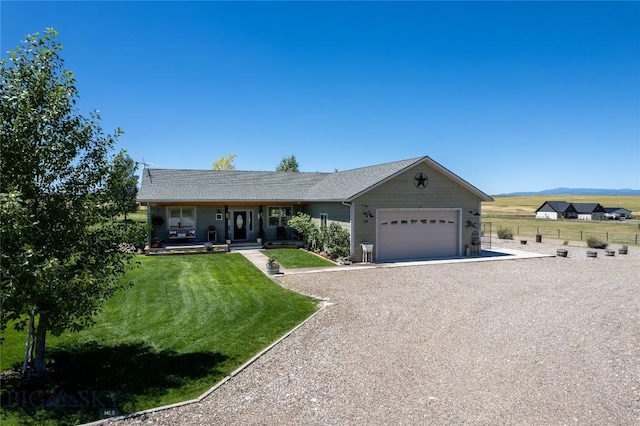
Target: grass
(296, 258)
(518, 213)
(186, 324)
(138, 216)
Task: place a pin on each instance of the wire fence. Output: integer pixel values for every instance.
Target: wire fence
(568, 234)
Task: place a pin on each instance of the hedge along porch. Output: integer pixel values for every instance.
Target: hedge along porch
(409, 209)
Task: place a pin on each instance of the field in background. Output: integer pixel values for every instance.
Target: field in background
(518, 214)
(527, 205)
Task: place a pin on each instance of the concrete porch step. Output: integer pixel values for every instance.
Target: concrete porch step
(244, 246)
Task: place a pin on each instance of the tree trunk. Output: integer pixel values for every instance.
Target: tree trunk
(40, 366)
(28, 350)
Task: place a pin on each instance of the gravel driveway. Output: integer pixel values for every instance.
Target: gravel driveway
(546, 341)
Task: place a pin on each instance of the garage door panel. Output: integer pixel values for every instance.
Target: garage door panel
(417, 234)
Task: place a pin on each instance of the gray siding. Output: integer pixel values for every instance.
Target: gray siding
(205, 217)
(401, 192)
(336, 212)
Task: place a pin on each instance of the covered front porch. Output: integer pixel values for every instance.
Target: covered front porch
(220, 224)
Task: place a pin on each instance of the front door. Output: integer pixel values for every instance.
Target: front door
(239, 225)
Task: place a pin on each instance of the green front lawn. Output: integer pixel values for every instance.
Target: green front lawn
(186, 324)
(292, 258)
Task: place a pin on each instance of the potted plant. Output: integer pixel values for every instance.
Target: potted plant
(623, 250)
(272, 267)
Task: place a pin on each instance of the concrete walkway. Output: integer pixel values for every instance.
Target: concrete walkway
(260, 260)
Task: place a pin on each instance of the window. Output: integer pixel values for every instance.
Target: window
(182, 217)
(324, 218)
(279, 216)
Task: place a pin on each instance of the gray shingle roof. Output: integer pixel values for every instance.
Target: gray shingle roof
(557, 206)
(349, 183)
(563, 207)
(167, 185)
(224, 185)
(586, 208)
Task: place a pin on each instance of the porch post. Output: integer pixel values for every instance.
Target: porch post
(260, 228)
(226, 222)
(149, 227)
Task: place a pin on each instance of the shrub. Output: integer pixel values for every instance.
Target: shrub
(308, 230)
(594, 242)
(337, 241)
(333, 239)
(505, 233)
(134, 234)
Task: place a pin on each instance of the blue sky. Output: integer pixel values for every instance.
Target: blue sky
(511, 96)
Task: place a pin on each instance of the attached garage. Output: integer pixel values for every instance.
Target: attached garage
(406, 234)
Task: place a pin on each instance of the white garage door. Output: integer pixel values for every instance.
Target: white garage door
(417, 234)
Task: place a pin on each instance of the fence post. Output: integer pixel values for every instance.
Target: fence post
(558, 234)
(581, 235)
(607, 236)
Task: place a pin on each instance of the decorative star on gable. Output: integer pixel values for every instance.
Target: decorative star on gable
(421, 180)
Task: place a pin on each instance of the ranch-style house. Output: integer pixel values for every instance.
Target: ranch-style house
(563, 210)
(404, 210)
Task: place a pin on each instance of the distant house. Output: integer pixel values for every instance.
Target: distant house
(556, 210)
(616, 213)
(589, 211)
(564, 210)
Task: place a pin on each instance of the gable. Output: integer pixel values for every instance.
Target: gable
(555, 206)
(420, 186)
(586, 208)
(433, 167)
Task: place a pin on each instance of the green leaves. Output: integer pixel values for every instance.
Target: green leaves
(224, 163)
(288, 164)
(61, 253)
(122, 184)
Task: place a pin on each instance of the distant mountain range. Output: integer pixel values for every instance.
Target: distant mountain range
(577, 191)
